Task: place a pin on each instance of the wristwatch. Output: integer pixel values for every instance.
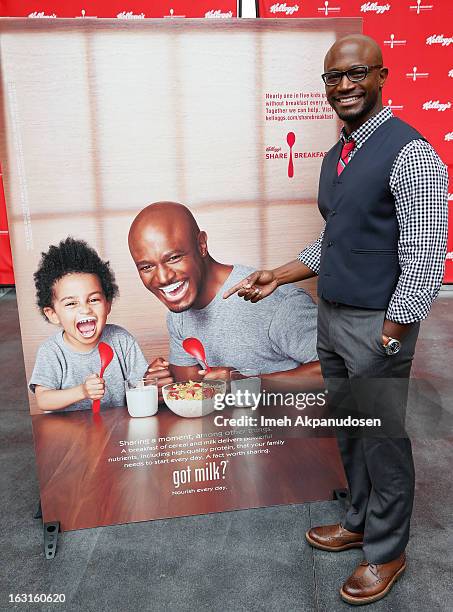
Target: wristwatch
(391, 346)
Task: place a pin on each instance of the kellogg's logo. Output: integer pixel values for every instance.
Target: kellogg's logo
(374, 7)
(130, 15)
(41, 15)
(449, 136)
(436, 105)
(450, 74)
(439, 39)
(284, 8)
(449, 256)
(218, 15)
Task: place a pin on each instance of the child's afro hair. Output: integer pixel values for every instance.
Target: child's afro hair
(71, 256)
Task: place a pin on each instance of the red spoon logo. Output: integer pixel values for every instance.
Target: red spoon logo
(290, 139)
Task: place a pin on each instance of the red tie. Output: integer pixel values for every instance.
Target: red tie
(344, 157)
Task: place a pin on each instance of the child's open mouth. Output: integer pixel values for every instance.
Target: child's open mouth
(87, 327)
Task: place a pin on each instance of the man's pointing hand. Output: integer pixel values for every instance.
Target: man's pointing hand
(254, 287)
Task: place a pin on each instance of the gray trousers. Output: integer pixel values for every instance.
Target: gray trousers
(364, 382)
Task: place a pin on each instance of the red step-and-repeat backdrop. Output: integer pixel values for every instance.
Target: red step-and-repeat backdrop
(416, 37)
(121, 9)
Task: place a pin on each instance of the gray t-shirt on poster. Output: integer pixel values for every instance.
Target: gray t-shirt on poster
(276, 334)
(58, 366)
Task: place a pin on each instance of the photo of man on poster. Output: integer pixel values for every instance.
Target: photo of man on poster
(276, 341)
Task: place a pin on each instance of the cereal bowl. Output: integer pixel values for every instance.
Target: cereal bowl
(193, 399)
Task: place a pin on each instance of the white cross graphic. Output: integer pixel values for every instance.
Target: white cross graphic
(394, 106)
(172, 14)
(327, 8)
(421, 7)
(392, 43)
(83, 14)
(414, 75)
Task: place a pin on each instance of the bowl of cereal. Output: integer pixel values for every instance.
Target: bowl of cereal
(193, 399)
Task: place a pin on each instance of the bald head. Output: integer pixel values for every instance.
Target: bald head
(357, 94)
(165, 216)
(362, 45)
(170, 253)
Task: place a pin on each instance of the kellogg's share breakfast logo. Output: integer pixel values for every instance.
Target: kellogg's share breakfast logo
(326, 9)
(217, 14)
(393, 106)
(415, 74)
(284, 8)
(374, 7)
(439, 39)
(436, 105)
(395, 42)
(420, 8)
(286, 152)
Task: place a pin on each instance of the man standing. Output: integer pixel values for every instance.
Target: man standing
(277, 339)
(380, 261)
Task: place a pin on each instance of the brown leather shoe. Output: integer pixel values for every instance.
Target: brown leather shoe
(333, 538)
(371, 582)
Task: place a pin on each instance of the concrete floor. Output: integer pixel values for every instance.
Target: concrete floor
(250, 560)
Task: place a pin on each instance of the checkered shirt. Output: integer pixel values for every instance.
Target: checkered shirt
(419, 184)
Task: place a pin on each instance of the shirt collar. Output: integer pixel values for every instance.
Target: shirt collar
(361, 134)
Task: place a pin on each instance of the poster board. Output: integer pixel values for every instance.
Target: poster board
(101, 118)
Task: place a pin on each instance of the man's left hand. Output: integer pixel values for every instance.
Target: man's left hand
(395, 330)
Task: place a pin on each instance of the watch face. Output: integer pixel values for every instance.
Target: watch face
(393, 346)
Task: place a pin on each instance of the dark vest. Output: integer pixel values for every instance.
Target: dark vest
(359, 252)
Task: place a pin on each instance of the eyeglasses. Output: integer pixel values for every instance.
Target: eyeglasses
(355, 74)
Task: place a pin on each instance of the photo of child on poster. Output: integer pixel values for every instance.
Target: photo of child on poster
(75, 290)
(113, 192)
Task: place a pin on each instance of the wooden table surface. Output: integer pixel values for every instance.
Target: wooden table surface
(85, 480)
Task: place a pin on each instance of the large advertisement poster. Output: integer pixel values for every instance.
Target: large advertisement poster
(225, 124)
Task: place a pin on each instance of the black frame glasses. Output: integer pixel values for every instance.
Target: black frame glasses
(354, 74)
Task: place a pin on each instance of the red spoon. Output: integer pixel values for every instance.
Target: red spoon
(106, 355)
(194, 347)
(290, 139)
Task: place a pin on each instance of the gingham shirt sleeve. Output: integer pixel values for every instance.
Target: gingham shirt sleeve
(419, 184)
(311, 255)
